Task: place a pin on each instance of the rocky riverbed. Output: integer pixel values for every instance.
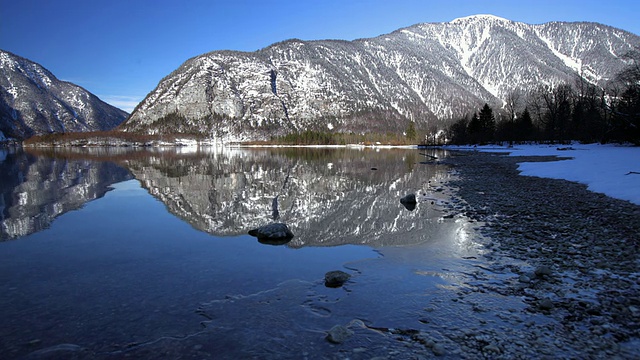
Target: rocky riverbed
(571, 255)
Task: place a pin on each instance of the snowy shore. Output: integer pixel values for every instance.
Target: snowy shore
(613, 170)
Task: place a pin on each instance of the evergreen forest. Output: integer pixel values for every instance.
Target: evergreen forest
(564, 112)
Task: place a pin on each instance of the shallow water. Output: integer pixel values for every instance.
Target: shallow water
(108, 252)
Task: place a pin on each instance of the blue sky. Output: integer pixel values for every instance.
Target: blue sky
(120, 49)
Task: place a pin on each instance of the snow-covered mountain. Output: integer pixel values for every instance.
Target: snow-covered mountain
(424, 73)
(34, 102)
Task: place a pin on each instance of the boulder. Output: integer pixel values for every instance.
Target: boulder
(273, 234)
(410, 198)
(409, 201)
(335, 278)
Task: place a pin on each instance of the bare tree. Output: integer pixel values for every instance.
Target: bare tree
(536, 104)
(623, 102)
(513, 102)
(630, 75)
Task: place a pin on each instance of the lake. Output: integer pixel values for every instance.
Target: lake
(145, 253)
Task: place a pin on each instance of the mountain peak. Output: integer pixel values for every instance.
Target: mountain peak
(479, 17)
(34, 102)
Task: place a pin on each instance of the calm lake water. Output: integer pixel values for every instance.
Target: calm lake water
(110, 253)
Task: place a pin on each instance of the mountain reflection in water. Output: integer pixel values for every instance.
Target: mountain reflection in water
(326, 196)
(34, 190)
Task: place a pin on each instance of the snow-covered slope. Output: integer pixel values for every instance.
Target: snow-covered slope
(423, 73)
(33, 102)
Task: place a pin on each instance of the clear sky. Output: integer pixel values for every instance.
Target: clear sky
(120, 49)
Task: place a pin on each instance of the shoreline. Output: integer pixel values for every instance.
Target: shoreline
(579, 249)
(611, 169)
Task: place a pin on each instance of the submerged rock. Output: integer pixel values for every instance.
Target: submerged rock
(338, 334)
(438, 350)
(273, 234)
(335, 278)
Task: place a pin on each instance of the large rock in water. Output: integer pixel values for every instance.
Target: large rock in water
(409, 201)
(273, 234)
(335, 278)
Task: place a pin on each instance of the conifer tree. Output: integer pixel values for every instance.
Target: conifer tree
(487, 123)
(411, 131)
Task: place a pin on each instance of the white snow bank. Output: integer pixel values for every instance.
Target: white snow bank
(609, 169)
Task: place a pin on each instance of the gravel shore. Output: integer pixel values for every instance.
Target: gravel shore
(579, 250)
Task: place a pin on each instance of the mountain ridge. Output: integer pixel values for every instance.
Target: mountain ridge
(424, 73)
(33, 101)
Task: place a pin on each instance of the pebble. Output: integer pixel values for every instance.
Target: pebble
(524, 279)
(492, 348)
(543, 270)
(545, 304)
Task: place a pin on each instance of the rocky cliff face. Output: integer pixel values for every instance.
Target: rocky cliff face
(34, 102)
(423, 73)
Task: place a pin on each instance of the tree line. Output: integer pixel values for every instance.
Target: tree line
(313, 137)
(580, 111)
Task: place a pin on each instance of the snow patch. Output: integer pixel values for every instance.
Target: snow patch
(570, 62)
(413, 34)
(13, 91)
(612, 170)
(479, 17)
